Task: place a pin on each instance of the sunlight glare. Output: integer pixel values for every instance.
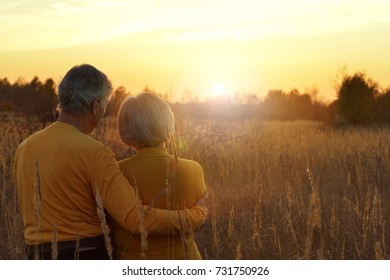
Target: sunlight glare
(218, 89)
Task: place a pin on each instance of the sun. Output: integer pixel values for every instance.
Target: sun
(218, 89)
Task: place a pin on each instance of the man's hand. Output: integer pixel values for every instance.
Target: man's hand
(202, 202)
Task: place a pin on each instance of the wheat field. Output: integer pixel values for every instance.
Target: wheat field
(278, 190)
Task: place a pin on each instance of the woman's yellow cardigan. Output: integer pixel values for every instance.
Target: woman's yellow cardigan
(166, 184)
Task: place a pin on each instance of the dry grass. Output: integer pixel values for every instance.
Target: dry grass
(103, 223)
(278, 190)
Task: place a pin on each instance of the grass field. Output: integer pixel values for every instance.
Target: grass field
(278, 190)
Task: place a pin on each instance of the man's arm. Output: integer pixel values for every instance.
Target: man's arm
(120, 200)
(186, 220)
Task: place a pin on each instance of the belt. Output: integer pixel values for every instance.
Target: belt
(85, 244)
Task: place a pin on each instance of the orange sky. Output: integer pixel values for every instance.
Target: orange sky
(245, 46)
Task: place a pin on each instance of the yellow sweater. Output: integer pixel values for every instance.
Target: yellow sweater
(70, 167)
(147, 171)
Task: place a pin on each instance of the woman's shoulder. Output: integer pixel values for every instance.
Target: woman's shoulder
(188, 164)
(190, 176)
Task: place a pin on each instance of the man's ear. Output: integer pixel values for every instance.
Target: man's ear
(95, 106)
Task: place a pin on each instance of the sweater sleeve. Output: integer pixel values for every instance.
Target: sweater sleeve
(120, 200)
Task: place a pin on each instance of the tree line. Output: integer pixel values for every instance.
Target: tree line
(360, 100)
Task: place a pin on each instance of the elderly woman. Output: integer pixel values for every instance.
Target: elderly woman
(145, 123)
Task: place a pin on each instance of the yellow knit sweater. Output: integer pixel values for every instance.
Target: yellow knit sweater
(149, 171)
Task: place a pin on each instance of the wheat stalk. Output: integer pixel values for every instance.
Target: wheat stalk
(378, 252)
(76, 255)
(314, 218)
(238, 251)
(257, 221)
(103, 223)
(141, 225)
(54, 244)
(37, 206)
(215, 236)
(231, 224)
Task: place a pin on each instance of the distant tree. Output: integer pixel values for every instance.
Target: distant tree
(320, 111)
(382, 107)
(116, 101)
(275, 96)
(299, 106)
(188, 96)
(245, 98)
(5, 89)
(48, 102)
(4, 84)
(30, 96)
(355, 98)
(34, 98)
(275, 104)
(40, 99)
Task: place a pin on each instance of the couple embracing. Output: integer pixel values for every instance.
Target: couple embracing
(78, 202)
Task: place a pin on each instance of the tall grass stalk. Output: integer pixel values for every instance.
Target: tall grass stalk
(103, 223)
(257, 221)
(54, 245)
(37, 207)
(313, 224)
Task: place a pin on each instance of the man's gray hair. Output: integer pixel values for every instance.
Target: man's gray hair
(79, 88)
(145, 120)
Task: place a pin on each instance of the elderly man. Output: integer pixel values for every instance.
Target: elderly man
(65, 179)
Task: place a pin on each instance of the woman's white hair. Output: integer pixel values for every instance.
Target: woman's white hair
(145, 120)
(79, 88)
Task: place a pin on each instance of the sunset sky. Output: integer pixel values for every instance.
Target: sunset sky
(209, 47)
